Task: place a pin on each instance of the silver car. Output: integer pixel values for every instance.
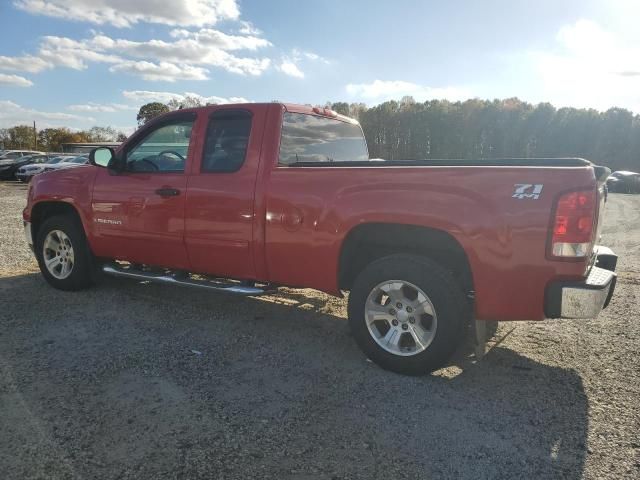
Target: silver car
(26, 172)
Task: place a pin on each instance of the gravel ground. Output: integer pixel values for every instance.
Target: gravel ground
(133, 380)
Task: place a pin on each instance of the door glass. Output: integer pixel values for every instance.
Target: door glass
(163, 150)
(226, 143)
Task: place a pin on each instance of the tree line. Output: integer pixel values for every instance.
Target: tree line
(411, 130)
(25, 137)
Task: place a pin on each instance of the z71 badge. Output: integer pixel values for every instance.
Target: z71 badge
(527, 190)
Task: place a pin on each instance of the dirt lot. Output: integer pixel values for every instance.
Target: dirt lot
(133, 380)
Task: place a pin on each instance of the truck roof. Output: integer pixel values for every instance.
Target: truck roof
(288, 107)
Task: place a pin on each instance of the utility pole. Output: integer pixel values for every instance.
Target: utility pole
(35, 136)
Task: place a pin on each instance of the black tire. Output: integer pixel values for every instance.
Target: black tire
(81, 272)
(451, 306)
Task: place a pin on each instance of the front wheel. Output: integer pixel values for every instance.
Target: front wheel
(407, 313)
(63, 254)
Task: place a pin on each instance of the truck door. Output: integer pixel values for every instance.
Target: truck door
(138, 214)
(219, 219)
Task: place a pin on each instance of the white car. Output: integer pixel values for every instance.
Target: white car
(26, 172)
(5, 154)
(68, 163)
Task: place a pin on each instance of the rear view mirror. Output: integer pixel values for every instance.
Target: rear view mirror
(101, 156)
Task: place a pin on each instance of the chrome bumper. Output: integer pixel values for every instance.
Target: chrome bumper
(27, 234)
(585, 299)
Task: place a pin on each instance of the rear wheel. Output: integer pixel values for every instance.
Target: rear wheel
(407, 313)
(63, 254)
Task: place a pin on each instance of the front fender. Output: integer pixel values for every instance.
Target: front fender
(71, 186)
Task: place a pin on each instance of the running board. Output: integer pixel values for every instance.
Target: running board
(233, 288)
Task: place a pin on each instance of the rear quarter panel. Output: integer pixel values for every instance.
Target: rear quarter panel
(310, 211)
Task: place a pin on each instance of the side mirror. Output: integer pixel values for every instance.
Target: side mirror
(101, 156)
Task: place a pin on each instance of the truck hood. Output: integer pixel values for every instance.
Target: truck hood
(62, 181)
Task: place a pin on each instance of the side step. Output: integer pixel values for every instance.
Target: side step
(233, 288)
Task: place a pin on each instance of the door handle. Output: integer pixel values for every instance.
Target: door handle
(167, 192)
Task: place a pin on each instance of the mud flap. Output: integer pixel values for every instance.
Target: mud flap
(479, 328)
(485, 336)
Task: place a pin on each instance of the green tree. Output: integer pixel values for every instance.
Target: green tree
(105, 134)
(340, 107)
(477, 128)
(151, 110)
(188, 101)
(51, 139)
(18, 137)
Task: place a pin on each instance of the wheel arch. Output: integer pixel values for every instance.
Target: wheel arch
(46, 209)
(368, 242)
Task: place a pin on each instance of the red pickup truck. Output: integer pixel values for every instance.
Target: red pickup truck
(246, 198)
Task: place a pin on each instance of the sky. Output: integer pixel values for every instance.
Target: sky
(80, 63)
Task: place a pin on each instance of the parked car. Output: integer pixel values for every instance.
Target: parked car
(624, 182)
(17, 153)
(270, 194)
(11, 160)
(68, 162)
(26, 172)
(12, 165)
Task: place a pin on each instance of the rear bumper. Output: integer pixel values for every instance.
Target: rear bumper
(586, 298)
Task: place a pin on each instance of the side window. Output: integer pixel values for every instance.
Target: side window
(226, 143)
(162, 150)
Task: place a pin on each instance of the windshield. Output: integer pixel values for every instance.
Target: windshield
(311, 138)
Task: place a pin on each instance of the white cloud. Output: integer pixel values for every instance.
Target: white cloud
(13, 114)
(299, 54)
(247, 28)
(26, 63)
(290, 64)
(289, 68)
(66, 52)
(206, 47)
(57, 52)
(145, 96)
(163, 71)
(589, 67)
(14, 81)
(125, 13)
(180, 33)
(382, 90)
(192, 51)
(191, 46)
(100, 107)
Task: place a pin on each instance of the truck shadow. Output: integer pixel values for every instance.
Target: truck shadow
(179, 375)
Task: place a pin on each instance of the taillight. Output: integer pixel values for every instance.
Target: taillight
(573, 224)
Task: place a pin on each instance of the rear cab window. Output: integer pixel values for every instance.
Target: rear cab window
(312, 139)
